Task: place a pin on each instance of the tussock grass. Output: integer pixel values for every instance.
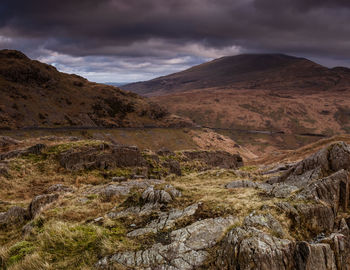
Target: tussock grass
(63, 245)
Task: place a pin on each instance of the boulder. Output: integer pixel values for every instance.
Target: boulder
(13, 216)
(39, 202)
(250, 248)
(166, 195)
(111, 191)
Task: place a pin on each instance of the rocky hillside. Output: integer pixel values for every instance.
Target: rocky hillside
(249, 71)
(34, 94)
(87, 204)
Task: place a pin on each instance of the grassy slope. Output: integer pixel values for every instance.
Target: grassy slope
(36, 94)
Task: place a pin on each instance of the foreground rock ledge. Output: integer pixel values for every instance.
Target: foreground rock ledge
(313, 194)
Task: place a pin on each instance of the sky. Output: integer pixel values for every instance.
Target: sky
(135, 40)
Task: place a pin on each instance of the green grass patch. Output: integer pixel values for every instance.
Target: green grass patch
(19, 250)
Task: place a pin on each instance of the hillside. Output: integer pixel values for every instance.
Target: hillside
(68, 203)
(248, 71)
(294, 98)
(34, 94)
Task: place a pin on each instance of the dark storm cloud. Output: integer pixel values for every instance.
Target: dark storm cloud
(153, 37)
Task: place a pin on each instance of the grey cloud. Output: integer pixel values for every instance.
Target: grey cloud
(130, 31)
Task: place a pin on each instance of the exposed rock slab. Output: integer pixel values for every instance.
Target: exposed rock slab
(186, 251)
(166, 220)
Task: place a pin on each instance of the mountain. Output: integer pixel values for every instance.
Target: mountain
(248, 71)
(263, 101)
(35, 94)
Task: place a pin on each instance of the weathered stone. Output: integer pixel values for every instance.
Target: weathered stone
(39, 202)
(186, 250)
(333, 190)
(59, 188)
(111, 191)
(123, 188)
(283, 190)
(250, 248)
(13, 216)
(103, 156)
(277, 169)
(166, 220)
(151, 195)
(145, 209)
(340, 244)
(241, 184)
(314, 256)
(264, 220)
(321, 164)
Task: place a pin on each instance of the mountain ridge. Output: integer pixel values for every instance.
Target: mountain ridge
(248, 71)
(34, 94)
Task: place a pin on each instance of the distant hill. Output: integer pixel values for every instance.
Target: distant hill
(248, 71)
(35, 94)
(269, 93)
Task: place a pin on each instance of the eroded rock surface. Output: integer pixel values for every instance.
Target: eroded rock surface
(103, 156)
(13, 216)
(166, 220)
(187, 249)
(166, 195)
(318, 190)
(39, 202)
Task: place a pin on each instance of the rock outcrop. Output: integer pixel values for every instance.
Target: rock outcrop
(17, 215)
(35, 149)
(186, 250)
(319, 188)
(219, 159)
(102, 156)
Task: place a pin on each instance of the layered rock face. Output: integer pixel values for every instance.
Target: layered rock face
(317, 204)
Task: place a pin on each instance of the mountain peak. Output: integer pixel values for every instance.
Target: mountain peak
(245, 71)
(5, 53)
